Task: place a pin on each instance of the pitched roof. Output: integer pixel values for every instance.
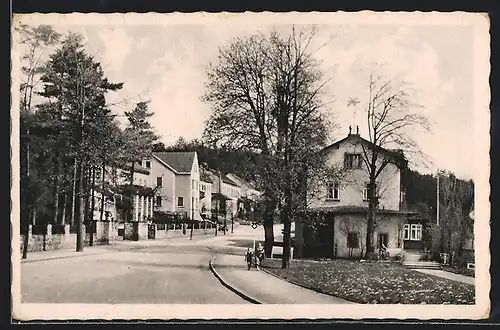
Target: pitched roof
(141, 169)
(223, 177)
(180, 162)
(238, 180)
(227, 180)
(397, 154)
(137, 168)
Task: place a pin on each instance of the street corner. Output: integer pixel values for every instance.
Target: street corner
(222, 271)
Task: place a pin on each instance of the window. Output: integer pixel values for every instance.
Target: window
(353, 161)
(366, 191)
(159, 181)
(180, 201)
(333, 191)
(416, 232)
(193, 184)
(352, 240)
(148, 164)
(406, 232)
(158, 200)
(413, 232)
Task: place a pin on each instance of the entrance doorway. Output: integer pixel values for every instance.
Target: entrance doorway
(383, 238)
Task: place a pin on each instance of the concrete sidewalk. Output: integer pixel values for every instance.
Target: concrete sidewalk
(448, 275)
(262, 287)
(122, 245)
(88, 250)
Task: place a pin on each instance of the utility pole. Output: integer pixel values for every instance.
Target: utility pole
(437, 199)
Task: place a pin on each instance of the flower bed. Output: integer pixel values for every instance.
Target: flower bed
(373, 282)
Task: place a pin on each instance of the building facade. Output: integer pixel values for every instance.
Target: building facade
(206, 190)
(114, 179)
(176, 177)
(228, 192)
(343, 202)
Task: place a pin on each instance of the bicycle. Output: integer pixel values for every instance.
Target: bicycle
(383, 254)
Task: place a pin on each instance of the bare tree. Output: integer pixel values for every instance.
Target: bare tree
(36, 41)
(266, 95)
(391, 115)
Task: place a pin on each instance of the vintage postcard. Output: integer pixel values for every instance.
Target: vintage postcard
(200, 166)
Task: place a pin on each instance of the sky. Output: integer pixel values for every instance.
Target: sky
(165, 63)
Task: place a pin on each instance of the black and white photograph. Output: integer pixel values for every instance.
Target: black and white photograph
(198, 166)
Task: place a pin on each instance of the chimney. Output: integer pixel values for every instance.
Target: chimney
(357, 130)
(350, 129)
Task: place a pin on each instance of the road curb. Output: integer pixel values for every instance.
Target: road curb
(230, 287)
(307, 287)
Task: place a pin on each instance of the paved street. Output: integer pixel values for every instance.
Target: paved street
(156, 274)
(144, 272)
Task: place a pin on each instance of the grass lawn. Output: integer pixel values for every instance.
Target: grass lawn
(374, 282)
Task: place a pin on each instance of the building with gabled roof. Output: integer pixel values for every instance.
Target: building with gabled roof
(342, 203)
(176, 176)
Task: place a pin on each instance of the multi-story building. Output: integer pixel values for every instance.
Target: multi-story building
(225, 192)
(176, 177)
(247, 193)
(206, 184)
(115, 179)
(343, 202)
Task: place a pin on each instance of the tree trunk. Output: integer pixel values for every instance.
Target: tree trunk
(26, 239)
(102, 192)
(92, 207)
(86, 214)
(130, 208)
(63, 215)
(268, 228)
(287, 226)
(80, 204)
(73, 194)
(33, 215)
(370, 226)
(55, 194)
(449, 248)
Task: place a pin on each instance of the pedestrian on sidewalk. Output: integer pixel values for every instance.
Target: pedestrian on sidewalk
(259, 254)
(248, 258)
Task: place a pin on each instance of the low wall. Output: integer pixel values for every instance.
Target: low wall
(49, 238)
